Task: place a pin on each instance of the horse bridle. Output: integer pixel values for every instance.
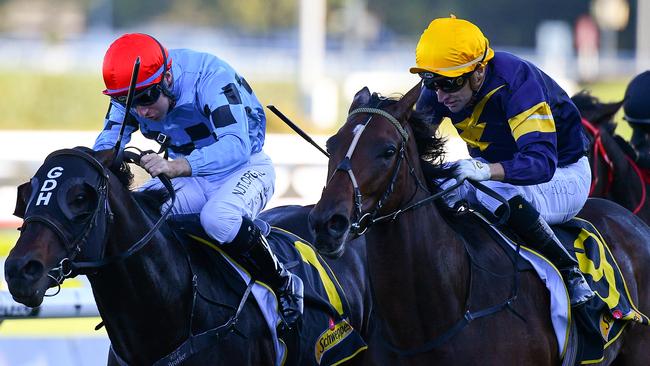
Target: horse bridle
(600, 151)
(363, 221)
(102, 215)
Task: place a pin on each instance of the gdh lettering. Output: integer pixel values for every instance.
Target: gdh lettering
(45, 193)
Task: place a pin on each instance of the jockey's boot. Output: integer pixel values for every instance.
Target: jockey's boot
(528, 224)
(251, 248)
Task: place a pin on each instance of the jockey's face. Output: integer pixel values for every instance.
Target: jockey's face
(461, 98)
(457, 100)
(156, 111)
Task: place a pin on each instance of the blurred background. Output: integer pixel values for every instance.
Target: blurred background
(307, 57)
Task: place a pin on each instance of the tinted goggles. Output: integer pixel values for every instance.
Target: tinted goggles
(448, 85)
(146, 97)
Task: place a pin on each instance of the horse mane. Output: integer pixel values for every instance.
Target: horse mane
(150, 199)
(430, 145)
(596, 112)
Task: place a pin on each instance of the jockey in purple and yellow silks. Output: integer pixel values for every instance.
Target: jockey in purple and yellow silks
(522, 130)
(209, 121)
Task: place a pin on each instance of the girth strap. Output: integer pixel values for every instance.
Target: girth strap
(467, 318)
(197, 343)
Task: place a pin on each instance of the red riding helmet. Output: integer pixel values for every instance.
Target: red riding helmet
(120, 57)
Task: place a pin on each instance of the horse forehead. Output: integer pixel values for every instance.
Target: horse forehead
(373, 123)
(63, 167)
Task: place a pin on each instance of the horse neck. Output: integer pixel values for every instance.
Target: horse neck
(418, 259)
(144, 299)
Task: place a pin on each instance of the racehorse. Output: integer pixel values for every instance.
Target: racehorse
(152, 291)
(429, 281)
(615, 175)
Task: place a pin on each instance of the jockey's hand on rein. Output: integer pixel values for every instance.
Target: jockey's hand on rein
(156, 165)
(472, 169)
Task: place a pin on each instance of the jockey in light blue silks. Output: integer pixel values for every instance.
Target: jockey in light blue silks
(210, 123)
(522, 130)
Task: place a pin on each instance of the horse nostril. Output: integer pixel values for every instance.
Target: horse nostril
(337, 225)
(33, 270)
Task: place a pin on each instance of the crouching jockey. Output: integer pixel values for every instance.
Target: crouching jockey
(211, 125)
(522, 130)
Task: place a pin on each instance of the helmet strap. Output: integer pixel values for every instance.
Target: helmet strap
(474, 97)
(163, 85)
(166, 90)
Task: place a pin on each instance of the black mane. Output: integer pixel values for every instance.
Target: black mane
(150, 199)
(595, 111)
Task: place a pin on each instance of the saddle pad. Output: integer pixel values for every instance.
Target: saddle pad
(326, 328)
(603, 318)
(606, 315)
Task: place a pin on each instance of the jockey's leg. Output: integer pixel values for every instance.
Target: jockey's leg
(251, 249)
(190, 194)
(533, 229)
(227, 218)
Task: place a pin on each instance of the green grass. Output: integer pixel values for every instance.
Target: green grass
(51, 101)
(42, 101)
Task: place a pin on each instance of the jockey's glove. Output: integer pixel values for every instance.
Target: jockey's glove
(472, 169)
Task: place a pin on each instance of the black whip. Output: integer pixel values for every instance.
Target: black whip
(129, 102)
(293, 126)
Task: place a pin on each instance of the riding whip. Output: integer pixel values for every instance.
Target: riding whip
(129, 102)
(293, 126)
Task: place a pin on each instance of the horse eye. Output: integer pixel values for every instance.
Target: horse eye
(389, 152)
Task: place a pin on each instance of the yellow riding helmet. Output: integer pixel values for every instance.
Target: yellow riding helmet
(451, 47)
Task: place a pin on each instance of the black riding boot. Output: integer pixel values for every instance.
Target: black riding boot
(526, 222)
(251, 248)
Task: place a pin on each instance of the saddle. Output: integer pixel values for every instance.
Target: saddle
(326, 335)
(601, 320)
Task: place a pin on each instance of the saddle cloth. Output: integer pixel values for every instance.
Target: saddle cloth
(326, 328)
(601, 320)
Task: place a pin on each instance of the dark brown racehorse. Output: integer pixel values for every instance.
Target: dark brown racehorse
(152, 291)
(615, 175)
(423, 279)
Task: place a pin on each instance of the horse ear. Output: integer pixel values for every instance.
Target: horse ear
(405, 105)
(361, 98)
(608, 111)
(24, 192)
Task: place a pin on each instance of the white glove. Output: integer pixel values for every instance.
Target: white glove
(472, 169)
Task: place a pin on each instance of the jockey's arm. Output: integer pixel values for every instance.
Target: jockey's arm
(156, 165)
(496, 171)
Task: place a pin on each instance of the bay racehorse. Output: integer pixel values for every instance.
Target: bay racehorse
(428, 280)
(615, 175)
(152, 291)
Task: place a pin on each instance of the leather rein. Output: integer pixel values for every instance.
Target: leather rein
(599, 151)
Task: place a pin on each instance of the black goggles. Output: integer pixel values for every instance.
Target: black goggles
(146, 97)
(448, 85)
